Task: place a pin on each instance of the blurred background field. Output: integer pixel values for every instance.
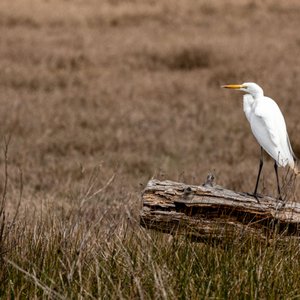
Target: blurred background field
(100, 96)
(134, 86)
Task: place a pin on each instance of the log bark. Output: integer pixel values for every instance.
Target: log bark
(213, 212)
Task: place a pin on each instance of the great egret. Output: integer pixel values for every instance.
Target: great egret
(268, 126)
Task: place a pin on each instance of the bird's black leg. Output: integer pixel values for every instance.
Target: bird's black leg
(277, 179)
(261, 162)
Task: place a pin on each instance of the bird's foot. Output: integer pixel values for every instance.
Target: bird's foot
(280, 203)
(255, 195)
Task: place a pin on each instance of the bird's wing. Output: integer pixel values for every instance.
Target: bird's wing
(272, 119)
(272, 133)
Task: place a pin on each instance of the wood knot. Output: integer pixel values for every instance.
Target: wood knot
(187, 193)
(187, 190)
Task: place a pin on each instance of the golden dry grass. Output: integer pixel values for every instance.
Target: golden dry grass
(128, 90)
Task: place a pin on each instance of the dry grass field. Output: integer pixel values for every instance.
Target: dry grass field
(97, 97)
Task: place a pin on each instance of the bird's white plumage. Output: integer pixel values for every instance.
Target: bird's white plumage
(269, 128)
(267, 124)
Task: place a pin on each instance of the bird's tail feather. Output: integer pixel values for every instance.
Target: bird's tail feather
(296, 170)
(294, 164)
(295, 167)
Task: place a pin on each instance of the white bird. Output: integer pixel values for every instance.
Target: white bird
(269, 128)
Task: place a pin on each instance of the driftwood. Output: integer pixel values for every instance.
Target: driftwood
(212, 212)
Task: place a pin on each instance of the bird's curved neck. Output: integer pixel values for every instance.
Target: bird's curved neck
(256, 95)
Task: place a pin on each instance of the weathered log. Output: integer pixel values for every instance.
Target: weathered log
(211, 211)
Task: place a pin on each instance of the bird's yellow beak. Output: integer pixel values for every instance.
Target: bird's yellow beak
(232, 86)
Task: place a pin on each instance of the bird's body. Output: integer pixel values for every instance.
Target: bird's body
(268, 126)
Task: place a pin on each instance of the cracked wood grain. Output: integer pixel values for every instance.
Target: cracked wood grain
(211, 211)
